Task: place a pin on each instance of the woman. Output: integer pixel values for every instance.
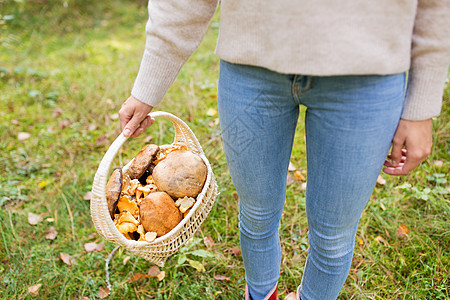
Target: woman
(346, 61)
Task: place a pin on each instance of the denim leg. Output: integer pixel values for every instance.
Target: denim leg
(258, 117)
(350, 122)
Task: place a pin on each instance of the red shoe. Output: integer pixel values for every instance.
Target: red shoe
(272, 295)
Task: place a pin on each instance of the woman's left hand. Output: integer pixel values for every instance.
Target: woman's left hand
(411, 145)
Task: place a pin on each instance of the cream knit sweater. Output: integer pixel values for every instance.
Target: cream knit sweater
(322, 37)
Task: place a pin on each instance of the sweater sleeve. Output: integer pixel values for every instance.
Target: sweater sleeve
(174, 30)
(430, 57)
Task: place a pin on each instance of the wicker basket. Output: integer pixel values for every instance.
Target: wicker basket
(163, 247)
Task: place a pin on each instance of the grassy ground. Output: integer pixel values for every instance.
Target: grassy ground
(65, 69)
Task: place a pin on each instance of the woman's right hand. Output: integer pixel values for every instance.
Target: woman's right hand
(133, 116)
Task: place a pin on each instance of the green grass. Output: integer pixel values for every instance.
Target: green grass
(65, 70)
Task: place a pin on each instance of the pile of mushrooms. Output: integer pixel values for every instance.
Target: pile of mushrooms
(156, 192)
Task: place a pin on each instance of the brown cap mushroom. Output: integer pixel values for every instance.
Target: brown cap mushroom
(142, 161)
(158, 213)
(113, 190)
(181, 173)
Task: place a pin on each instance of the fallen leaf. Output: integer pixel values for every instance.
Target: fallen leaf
(34, 219)
(64, 123)
(236, 250)
(34, 290)
(22, 136)
(291, 167)
(103, 292)
(303, 186)
(153, 271)
(402, 231)
(138, 276)
(90, 247)
(383, 208)
(92, 235)
(50, 220)
(65, 258)
(289, 180)
(211, 112)
(221, 277)
(84, 298)
(214, 122)
(299, 176)
(147, 139)
(87, 196)
(110, 102)
(92, 127)
(209, 242)
(52, 233)
(57, 112)
(114, 116)
(100, 246)
(196, 265)
(15, 122)
(161, 275)
(126, 259)
(360, 241)
(381, 180)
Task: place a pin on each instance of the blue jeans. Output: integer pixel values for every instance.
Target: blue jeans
(350, 122)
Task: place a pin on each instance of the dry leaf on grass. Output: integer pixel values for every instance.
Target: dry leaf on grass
(100, 246)
(34, 219)
(34, 290)
(161, 275)
(90, 247)
(381, 180)
(209, 242)
(65, 258)
(84, 298)
(236, 250)
(402, 231)
(22, 136)
(92, 127)
(64, 123)
(299, 176)
(289, 180)
(221, 277)
(87, 196)
(196, 265)
(211, 112)
(57, 112)
(52, 233)
(153, 271)
(103, 292)
(291, 167)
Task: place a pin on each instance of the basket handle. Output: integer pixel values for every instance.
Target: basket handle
(99, 207)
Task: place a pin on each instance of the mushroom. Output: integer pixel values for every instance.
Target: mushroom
(142, 161)
(113, 190)
(181, 173)
(126, 203)
(158, 213)
(184, 204)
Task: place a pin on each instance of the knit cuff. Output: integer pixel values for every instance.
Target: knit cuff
(424, 93)
(155, 76)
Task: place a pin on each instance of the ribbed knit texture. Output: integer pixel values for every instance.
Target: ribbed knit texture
(321, 38)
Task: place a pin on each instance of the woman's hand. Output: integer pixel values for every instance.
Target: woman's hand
(134, 117)
(410, 146)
